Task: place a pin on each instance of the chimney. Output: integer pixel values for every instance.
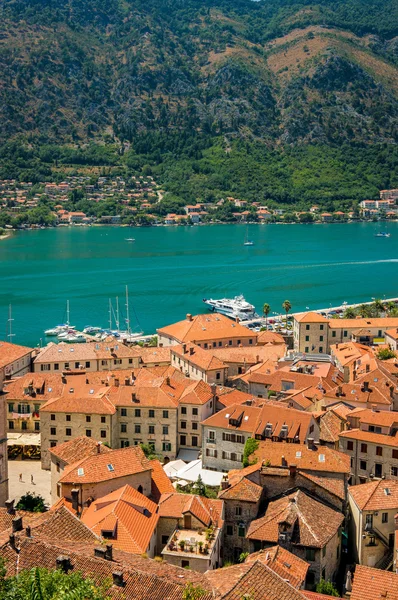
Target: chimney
(160, 345)
(63, 379)
(17, 524)
(191, 351)
(75, 499)
(28, 532)
(116, 382)
(184, 348)
(365, 386)
(127, 381)
(189, 317)
(87, 381)
(63, 563)
(374, 407)
(293, 470)
(117, 577)
(225, 483)
(310, 443)
(168, 381)
(10, 507)
(339, 391)
(11, 540)
(213, 388)
(109, 552)
(283, 462)
(133, 397)
(98, 447)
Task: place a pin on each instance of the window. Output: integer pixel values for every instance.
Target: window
(379, 451)
(369, 520)
(88, 419)
(384, 518)
(165, 414)
(123, 428)
(241, 531)
(395, 453)
(306, 349)
(350, 445)
(194, 440)
(164, 539)
(166, 447)
(117, 361)
(307, 327)
(123, 412)
(310, 554)
(124, 443)
(211, 435)
(10, 424)
(183, 410)
(323, 573)
(364, 448)
(24, 425)
(183, 424)
(66, 365)
(321, 327)
(195, 411)
(137, 412)
(238, 511)
(103, 419)
(324, 552)
(219, 344)
(45, 367)
(362, 465)
(77, 364)
(165, 430)
(183, 440)
(307, 338)
(37, 426)
(345, 333)
(218, 375)
(321, 338)
(333, 334)
(185, 563)
(230, 530)
(130, 361)
(137, 428)
(320, 349)
(194, 425)
(151, 413)
(88, 432)
(53, 431)
(87, 364)
(68, 431)
(230, 343)
(56, 367)
(205, 345)
(52, 417)
(68, 417)
(103, 433)
(11, 407)
(53, 443)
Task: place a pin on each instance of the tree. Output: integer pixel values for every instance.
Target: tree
(327, 588)
(266, 311)
(43, 584)
(149, 451)
(349, 313)
(286, 307)
(391, 307)
(251, 446)
(378, 305)
(385, 354)
(193, 592)
(364, 311)
(31, 503)
(199, 487)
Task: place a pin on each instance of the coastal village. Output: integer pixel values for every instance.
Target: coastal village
(222, 463)
(139, 200)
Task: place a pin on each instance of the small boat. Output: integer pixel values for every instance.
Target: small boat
(248, 243)
(75, 338)
(64, 334)
(382, 234)
(232, 307)
(92, 330)
(57, 330)
(130, 239)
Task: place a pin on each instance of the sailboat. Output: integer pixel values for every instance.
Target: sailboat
(248, 242)
(128, 335)
(60, 329)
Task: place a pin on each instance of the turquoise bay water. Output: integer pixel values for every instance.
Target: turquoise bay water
(170, 269)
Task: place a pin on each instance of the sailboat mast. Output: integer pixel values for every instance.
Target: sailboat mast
(127, 310)
(110, 315)
(117, 313)
(67, 312)
(10, 320)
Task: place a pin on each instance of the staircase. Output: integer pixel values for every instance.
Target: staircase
(386, 562)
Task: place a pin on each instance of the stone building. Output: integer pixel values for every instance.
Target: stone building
(15, 361)
(373, 507)
(307, 528)
(197, 363)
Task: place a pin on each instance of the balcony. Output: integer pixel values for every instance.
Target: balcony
(194, 543)
(17, 415)
(210, 441)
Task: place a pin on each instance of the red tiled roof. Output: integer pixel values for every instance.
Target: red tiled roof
(80, 447)
(374, 584)
(205, 509)
(321, 459)
(287, 565)
(12, 352)
(161, 484)
(368, 436)
(375, 495)
(205, 327)
(244, 490)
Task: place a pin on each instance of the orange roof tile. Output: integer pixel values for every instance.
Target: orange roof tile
(12, 352)
(287, 565)
(373, 438)
(80, 448)
(244, 490)
(375, 495)
(197, 356)
(206, 327)
(321, 459)
(310, 317)
(175, 505)
(161, 484)
(372, 584)
(98, 404)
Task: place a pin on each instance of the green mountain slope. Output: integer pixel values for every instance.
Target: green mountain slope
(194, 88)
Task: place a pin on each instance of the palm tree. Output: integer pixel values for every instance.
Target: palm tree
(378, 306)
(391, 306)
(363, 311)
(286, 307)
(266, 311)
(349, 313)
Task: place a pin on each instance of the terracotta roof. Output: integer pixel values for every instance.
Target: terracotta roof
(374, 584)
(249, 354)
(197, 356)
(382, 418)
(154, 355)
(375, 495)
(175, 505)
(270, 337)
(78, 448)
(331, 425)
(130, 516)
(89, 351)
(321, 459)
(277, 381)
(253, 419)
(378, 392)
(316, 596)
(244, 490)
(310, 317)
(229, 396)
(333, 485)
(206, 327)
(253, 580)
(93, 469)
(60, 522)
(197, 392)
(160, 483)
(373, 438)
(97, 404)
(312, 522)
(392, 333)
(287, 565)
(380, 323)
(12, 352)
(348, 352)
(34, 387)
(341, 409)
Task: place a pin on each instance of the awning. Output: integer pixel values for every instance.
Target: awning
(23, 439)
(188, 455)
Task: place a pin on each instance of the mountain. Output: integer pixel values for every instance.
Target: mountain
(215, 95)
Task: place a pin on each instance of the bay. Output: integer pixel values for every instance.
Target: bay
(169, 270)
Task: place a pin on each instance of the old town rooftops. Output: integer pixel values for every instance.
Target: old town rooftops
(374, 584)
(320, 458)
(97, 404)
(254, 420)
(90, 351)
(375, 495)
(310, 317)
(287, 565)
(130, 517)
(382, 418)
(110, 465)
(206, 327)
(204, 359)
(348, 352)
(9, 353)
(370, 437)
(206, 510)
(313, 523)
(79, 448)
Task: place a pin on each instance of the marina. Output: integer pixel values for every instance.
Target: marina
(170, 270)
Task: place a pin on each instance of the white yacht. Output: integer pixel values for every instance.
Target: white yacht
(234, 308)
(56, 330)
(75, 338)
